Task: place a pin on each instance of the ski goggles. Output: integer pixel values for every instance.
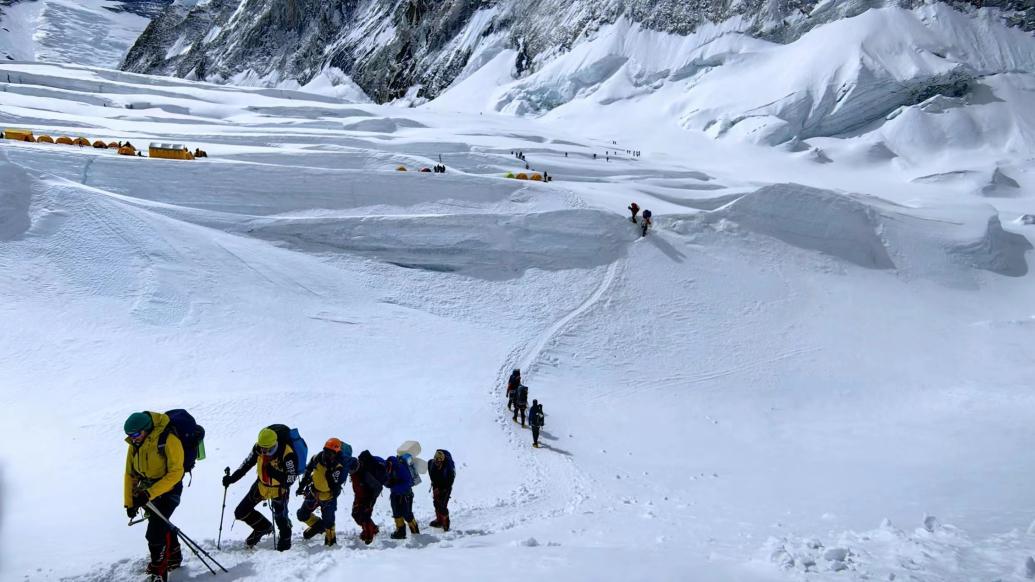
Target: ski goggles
(268, 451)
(136, 435)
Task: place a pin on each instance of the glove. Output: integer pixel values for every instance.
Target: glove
(227, 481)
(131, 512)
(301, 491)
(140, 499)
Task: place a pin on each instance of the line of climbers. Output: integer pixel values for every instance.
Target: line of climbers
(517, 401)
(165, 446)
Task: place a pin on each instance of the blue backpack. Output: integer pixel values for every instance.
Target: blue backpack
(290, 436)
(190, 433)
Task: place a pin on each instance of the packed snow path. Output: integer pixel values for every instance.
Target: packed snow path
(745, 394)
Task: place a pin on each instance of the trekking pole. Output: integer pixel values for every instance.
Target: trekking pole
(191, 544)
(222, 513)
(273, 522)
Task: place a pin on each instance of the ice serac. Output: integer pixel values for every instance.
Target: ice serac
(815, 219)
(399, 47)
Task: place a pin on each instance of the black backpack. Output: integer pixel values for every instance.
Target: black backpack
(522, 395)
(190, 433)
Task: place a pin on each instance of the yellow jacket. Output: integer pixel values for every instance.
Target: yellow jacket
(150, 470)
(276, 473)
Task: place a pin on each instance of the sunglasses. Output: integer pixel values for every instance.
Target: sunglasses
(268, 450)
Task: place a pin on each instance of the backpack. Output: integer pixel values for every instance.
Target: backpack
(646, 214)
(190, 433)
(522, 395)
(414, 474)
(378, 470)
(290, 436)
(536, 417)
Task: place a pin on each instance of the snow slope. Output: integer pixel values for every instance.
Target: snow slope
(807, 371)
(86, 32)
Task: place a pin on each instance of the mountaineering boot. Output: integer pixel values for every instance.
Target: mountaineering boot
(445, 522)
(260, 527)
(400, 529)
(257, 534)
(437, 522)
(414, 528)
(329, 537)
(315, 527)
(284, 539)
(158, 577)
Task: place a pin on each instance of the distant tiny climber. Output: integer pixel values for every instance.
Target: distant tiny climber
(646, 223)
(520, 403)
(634, 208)
(536, 419)
(512, 385)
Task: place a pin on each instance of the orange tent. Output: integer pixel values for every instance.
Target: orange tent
(127, 151)
(522, 176)
(536, 177)
(113, 145)
(82, 141)
(401, 169)
(64, 140)
(100, 145)
(44, 139)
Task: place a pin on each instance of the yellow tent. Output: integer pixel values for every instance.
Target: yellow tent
(401, 169)
(44, 139)
(522, 176)
(127, 150)
(100, 145)
(18, 134)
(169, 151)
(82, 141)
(64, 140)
(536, 177)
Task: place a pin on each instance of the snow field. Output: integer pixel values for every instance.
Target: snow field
(795, 353)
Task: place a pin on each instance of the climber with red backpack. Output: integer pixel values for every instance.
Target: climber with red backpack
(634, 208)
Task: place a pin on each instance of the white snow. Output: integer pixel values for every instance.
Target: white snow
(69, 31)
(816, 367)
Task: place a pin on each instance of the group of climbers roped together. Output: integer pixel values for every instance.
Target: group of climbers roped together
(517, 401)
(164, 446)
(645, 223)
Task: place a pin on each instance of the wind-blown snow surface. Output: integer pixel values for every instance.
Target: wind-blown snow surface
(86, 32)
(798, 352)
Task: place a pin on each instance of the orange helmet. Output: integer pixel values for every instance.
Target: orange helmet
(333, 444)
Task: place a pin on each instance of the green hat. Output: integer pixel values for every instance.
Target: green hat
(267, 438)
(137, 422)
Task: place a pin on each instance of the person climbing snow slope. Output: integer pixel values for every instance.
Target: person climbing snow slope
(321, 485)
(276, 464)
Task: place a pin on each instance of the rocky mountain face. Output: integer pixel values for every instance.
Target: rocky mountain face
(394, 48)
